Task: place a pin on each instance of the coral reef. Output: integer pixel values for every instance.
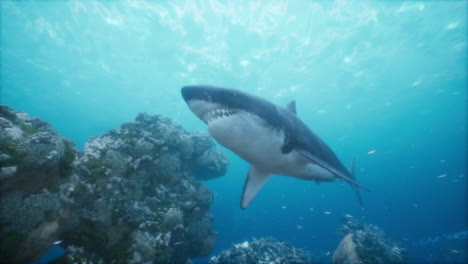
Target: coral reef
(34, 161)
(132, 196)
(32, 155)
(262, 251)
(365, 244)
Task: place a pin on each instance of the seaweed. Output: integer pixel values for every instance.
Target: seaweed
(96, 168)
(130, 131)
(10, 244)
(115, 216)
(159, 252)
(11, 148)
(69, 155)
(120, 252)
(50, 215)
(27, 129)
(88, 235)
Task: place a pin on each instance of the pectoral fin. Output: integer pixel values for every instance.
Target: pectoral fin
(254, 182)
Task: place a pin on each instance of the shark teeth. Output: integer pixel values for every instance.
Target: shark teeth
(218, 114)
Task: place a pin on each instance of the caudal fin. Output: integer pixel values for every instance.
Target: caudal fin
(355, 188)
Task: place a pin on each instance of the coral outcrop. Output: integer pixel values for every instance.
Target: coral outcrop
(366, 244)
(262, 251)
(132, 196)
(32, 155)
(34, 161)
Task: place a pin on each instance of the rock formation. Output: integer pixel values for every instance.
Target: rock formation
(265, 250)
(366, 244)
(132, 195)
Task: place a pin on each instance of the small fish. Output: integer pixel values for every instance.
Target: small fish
(328, 253)
(327, 212)
(284, 207)
(372, 151)
(442, 176)
(178, 243)
(58, 242)
(442, 161)
(299, 227)
(455, 251)
(348, 215)
(311, 209)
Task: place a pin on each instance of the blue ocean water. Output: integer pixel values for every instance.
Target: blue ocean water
(367, 75)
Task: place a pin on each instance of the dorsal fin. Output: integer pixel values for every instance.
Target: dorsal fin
(291, 107)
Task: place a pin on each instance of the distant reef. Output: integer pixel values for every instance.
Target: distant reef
(265, 250)
(132, 196)
(366, 244)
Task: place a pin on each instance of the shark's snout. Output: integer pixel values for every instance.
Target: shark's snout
(198, 92)
(201, 101)
(207, 102)
(188, 92)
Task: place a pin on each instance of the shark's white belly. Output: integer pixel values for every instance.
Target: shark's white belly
(249, 137)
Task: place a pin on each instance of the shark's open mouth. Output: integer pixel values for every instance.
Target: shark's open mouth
(218, 114)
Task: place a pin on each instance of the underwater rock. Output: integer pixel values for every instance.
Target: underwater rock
(363, 244)
(138, 180)
(34, 161)
(130, 197)
(346, 252)
(32, 155)
(265, 250)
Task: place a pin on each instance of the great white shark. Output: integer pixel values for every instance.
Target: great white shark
(269, 137)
